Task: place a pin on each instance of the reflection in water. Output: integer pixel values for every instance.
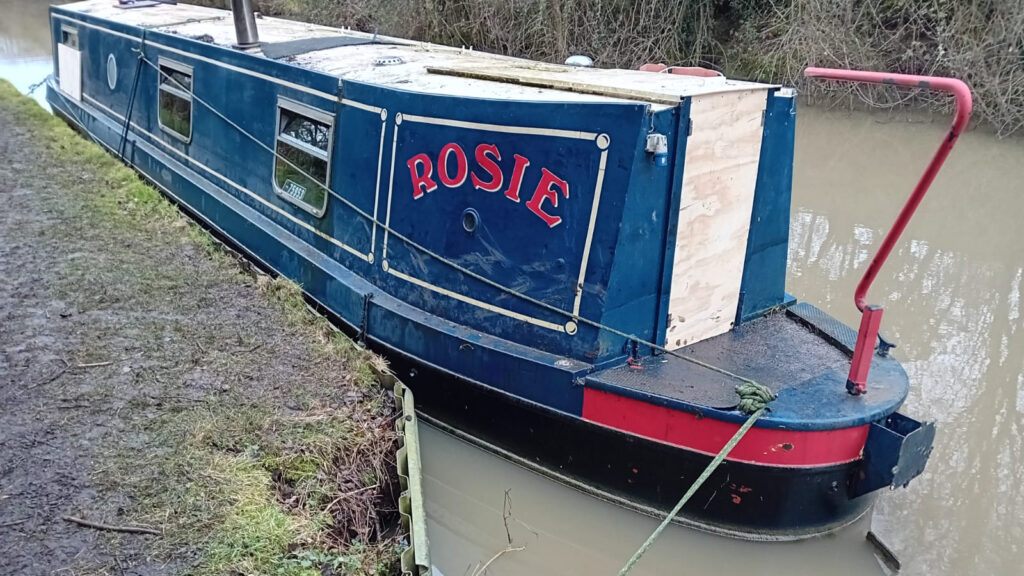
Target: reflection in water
(25, 43)
(952, 291)
(952, 295)
(568, 533)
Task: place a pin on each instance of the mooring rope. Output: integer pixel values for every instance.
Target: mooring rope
(410, 242)
(754, 399)
(131, 100)
(33, 87)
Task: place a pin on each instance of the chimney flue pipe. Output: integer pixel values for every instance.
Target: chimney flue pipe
(245, 24)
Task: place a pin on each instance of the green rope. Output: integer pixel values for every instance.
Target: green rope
(754, 399)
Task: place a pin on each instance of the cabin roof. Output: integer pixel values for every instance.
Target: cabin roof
(421, 66)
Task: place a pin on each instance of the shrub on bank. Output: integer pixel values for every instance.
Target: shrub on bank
(978, 41)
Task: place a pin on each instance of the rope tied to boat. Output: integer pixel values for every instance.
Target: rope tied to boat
(754, 399)
(33, 87)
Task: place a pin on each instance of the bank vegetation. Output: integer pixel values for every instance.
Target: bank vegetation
(978, 41)
(178, 388)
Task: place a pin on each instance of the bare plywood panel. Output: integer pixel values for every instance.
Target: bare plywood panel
(714, 217)
(69, 71)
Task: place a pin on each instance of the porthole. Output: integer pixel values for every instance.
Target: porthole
(470, 220)
(111, 71)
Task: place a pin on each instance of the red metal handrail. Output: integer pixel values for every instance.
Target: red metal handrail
(871, 317)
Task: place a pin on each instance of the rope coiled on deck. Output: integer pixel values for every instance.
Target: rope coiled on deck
(754, 397)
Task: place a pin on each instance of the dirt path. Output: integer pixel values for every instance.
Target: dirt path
(146, 379)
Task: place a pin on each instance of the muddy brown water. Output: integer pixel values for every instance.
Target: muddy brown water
(25, 45)
(952, 293)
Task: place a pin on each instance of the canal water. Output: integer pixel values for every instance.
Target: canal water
(952, 292)
(25, 45)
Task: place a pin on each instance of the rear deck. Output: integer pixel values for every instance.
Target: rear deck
(801, 354)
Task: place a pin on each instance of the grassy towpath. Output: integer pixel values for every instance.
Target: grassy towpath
(148, 378)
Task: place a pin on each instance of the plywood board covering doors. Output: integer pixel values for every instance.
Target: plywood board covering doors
(69, 71)
(714, 218)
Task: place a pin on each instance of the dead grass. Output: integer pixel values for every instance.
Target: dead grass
(978, 41)
(252, 432)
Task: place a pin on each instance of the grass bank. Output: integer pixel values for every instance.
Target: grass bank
(978, 41)
(157, 380)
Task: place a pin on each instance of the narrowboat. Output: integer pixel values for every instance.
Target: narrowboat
(572, 267)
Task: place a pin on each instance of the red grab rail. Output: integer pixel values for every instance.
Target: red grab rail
(871, 317)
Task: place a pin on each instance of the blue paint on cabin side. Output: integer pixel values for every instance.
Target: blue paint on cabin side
(509, 239)
(511, 246)
(641, 268)
(764, 271)
(219, 154)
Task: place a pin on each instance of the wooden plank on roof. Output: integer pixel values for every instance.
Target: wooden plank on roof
(544, 79)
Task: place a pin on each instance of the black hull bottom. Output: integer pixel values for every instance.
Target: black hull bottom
(738, 500)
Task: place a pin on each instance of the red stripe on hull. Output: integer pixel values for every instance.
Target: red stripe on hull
(769, 447)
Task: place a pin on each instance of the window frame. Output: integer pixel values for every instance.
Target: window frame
(317, 115)
(175, 91)
(70, 31)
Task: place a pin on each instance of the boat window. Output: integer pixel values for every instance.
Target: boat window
(69, 37)
(175, 99)
(303, 156)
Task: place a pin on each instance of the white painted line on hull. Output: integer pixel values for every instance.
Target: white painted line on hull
(575, 134)
(477, 303)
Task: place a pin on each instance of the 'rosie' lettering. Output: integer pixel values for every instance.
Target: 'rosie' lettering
(490, 166)
(517, 178)
(421, 182)
(453, 168)
(461, 166)
(544, 192)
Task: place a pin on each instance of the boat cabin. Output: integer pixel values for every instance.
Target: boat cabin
(537, 177)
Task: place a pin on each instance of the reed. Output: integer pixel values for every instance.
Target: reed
(978, 41)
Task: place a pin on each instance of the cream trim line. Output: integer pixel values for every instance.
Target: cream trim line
(407, 278)
(361, 106)
(97, 27)
(391, 188)
(590, 232)
(240, 188)
(478, 303)
(501, 128)
(376, 190)
(399, 119)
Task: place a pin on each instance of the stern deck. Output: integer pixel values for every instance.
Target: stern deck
(789, 352)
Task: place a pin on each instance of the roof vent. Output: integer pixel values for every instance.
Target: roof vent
(388, 60)
(580, 61)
